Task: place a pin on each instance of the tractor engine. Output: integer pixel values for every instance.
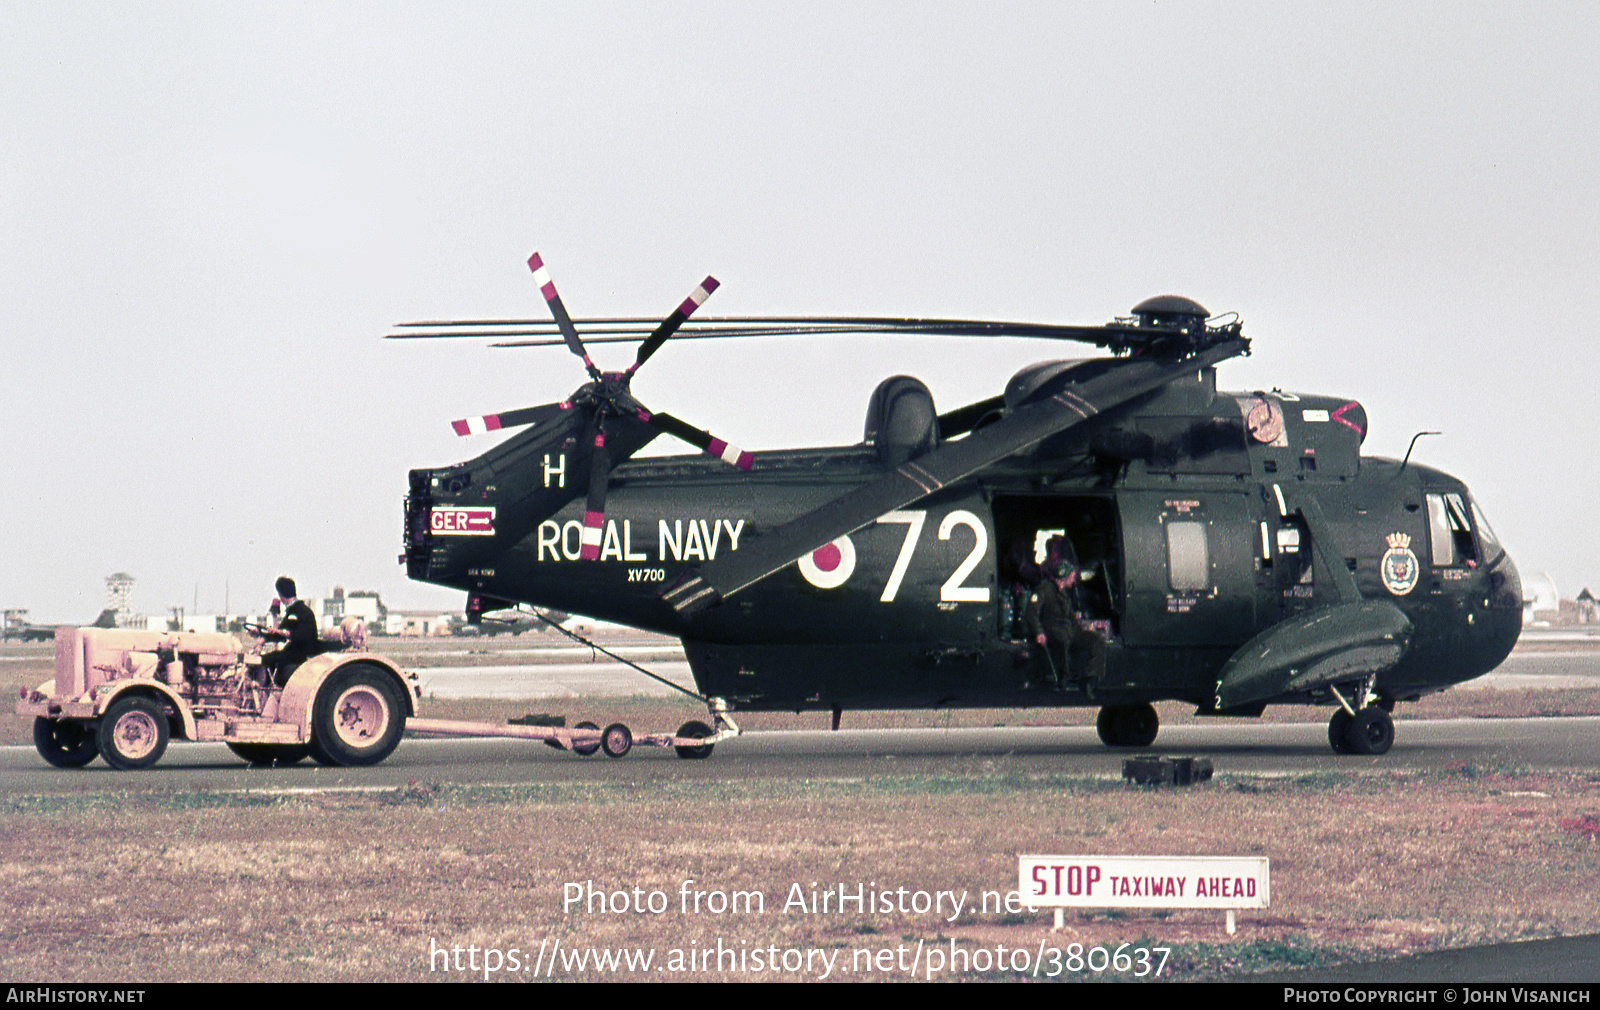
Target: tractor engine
(210, 671)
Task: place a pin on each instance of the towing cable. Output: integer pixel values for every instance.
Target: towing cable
(709, 703)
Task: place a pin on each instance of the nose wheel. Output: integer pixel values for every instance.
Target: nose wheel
(1367, 731)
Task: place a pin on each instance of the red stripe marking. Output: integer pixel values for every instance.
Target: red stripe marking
(717, 447)
(594, 519)
(698, 296)
(590, 552)
(1338, 415)
(492, 422)
(461, 427)
(746, 461)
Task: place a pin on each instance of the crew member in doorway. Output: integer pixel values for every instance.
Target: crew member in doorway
(1075, 654)
(299, 626)
(1020, 574)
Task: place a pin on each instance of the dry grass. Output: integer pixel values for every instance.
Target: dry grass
(157, 886)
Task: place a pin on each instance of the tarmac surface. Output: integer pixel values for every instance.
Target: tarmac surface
(1536, 962)
(1255, 749)
(542, 667)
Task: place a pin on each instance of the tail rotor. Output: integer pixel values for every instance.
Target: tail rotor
(605, 397)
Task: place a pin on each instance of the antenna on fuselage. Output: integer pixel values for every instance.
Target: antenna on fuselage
(1412, 446)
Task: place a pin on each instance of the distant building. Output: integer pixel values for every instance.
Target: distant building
(364, 604)
(119, 600)
(182, 621)
(333, 607)
(367, 605)
(1541, 602)
(1586, 610)
(420, 623)
(1544, 607)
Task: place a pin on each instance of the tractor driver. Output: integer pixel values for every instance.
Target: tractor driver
(299, 626)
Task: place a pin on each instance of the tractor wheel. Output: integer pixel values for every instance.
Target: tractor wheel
(1370, 733)
(586, 749)
(133, 733)
(65, 743)
(694, 730)
(617, 740)
(1128, 725)
(264, 754)
(358, 716)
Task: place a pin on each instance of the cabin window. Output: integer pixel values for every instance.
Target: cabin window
(1188, 560)
(1450, 531)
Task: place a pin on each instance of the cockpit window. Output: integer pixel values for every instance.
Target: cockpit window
(1444, 552)
(1491, 543)
(1450, 531)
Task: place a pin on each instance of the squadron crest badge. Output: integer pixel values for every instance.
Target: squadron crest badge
(1399, 566)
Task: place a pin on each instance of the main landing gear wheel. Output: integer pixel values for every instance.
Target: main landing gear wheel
(1369, 732)
(358, 717)
(616, 740)
(586, 749)
(65, 743)
(263, 755)
(133, 733)
(1128, 725)
(694, 730)
(1338, 728)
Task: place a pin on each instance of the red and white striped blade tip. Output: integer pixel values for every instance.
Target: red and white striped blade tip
(476, 425)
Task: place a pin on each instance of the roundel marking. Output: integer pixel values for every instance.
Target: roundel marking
(827, 557)
(830, 566)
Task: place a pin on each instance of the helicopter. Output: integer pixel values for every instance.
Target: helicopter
(1230, 550)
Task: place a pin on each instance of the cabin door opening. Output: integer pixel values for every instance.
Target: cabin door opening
(1025, 523)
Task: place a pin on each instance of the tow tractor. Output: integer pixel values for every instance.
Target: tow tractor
(122, 694)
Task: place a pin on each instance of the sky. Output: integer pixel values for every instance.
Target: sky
(210, 215)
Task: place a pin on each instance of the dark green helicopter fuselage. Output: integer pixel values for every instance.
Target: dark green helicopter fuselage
(1202, 521)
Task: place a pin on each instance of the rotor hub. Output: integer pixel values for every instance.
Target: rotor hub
(1171, 312)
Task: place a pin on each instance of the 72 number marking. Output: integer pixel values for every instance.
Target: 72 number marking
(952, 591)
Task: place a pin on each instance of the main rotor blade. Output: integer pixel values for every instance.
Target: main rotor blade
(1026, 425)
(703, 440)
(509, 418)
(623, 328)
(569, 332)
(670, 325)
(594, 509)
